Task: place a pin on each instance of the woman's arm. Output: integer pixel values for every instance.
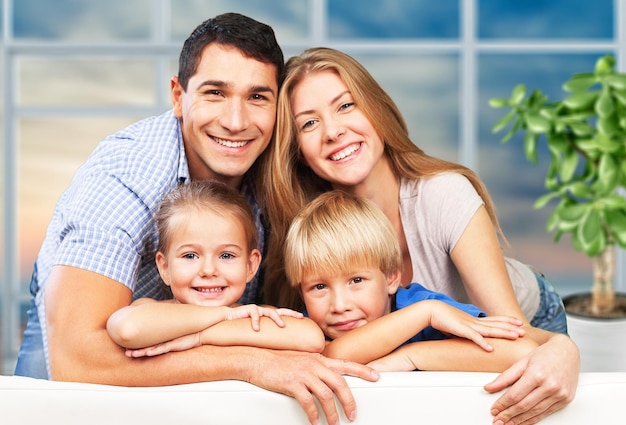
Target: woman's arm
(383, 335)
(455, 354)
(545, 380)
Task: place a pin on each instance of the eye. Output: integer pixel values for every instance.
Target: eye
(318, 287)
(257, 96)
(357, 280)
(190, 255)
(346, 105)
(226, 256)
(308, 124)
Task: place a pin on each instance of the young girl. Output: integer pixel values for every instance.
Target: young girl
(343, 256)
(338, 129)
(206, 255)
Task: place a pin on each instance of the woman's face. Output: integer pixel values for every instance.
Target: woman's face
(335, 138)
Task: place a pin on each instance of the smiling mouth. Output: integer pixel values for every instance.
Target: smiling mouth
(230, 143)
(211, 290)
(346, 152)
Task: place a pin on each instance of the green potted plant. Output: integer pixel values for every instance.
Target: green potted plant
(585, 133)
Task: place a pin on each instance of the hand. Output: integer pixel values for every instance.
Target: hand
(182, 343)
(308, 376)
(456, 322)
(255, 312)
(396, 361)
(542, 383)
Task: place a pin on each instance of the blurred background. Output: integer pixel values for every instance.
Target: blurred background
(74, 71)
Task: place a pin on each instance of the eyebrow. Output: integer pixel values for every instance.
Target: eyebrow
(333, 100)
(224, 84)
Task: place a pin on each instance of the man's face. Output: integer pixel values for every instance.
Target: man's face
(227, 113)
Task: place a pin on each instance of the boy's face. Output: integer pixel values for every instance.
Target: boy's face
(208, 261)
(341, 303)
(227, 113)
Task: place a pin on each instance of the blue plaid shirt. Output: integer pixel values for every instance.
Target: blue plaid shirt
(104, 222)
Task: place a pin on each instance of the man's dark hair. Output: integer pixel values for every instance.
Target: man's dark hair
(254, 39)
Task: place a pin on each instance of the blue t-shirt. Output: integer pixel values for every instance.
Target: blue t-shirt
(414, 293)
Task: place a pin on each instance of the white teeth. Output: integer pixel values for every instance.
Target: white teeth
(230, 143)
(345, 152)
(209, 289)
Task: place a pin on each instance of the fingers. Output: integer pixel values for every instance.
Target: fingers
(289, 312)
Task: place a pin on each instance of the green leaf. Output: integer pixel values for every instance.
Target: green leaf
(498, 102)
(568, 166)
(616, 81)
(605, 64)
(538, 124)
(608, 173)
(580, 100)
(581, 129)
(504, 121)
(580, 82)
(517, 95)
(580, 190)
(616, 221)
(612, 202)
(604, 105)
(571, 216)
(543, 200)
(530, 146)
(590, 234)
(620, 96)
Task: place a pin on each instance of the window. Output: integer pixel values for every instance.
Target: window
(74, 71)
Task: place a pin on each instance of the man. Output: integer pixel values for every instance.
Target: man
(99, 250)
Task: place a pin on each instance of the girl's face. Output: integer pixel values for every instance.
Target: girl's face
(339, 303)
(208, 261)
(335, 138)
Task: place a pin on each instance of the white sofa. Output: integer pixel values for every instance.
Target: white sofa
(397, 398)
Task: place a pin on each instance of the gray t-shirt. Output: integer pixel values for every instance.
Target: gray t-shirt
(435, 211)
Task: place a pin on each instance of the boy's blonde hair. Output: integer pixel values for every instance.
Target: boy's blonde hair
(203, 195)
(337, 232)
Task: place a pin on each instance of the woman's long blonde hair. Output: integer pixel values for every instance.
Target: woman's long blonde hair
(289, 184)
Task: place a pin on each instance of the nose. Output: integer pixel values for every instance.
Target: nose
(340, 301)
(208, 268)
(234, 116)
(334, 130)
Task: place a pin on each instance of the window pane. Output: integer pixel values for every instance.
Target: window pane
(49, 154)
(575, 19)
(425, 88)
(514, 182)
(86, 81)
(82, 20)
(393, 19)
(289, 19)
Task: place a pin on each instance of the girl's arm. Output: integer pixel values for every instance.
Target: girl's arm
(455, 354)
(383, 335)
(147, 322)
(298, 334)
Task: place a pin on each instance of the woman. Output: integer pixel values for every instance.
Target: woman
(338, 129)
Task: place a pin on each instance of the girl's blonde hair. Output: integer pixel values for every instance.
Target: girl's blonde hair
(204, 195)
(289, 184)
(337, 232)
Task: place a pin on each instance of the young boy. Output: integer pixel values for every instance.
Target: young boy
(343, 255)
(206, 255)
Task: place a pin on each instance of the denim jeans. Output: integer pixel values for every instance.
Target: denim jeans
(31, 359)
(551, 313)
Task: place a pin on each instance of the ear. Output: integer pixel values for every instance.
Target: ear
(161, 263)
(177, 92)
(393, 282)
(254, 260)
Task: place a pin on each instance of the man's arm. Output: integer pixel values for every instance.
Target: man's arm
(78, 304)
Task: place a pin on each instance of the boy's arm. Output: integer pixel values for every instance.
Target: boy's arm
(455, 354)
(146, 322)
(393, 329)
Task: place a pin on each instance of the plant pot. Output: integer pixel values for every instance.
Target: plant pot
(601, 340)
